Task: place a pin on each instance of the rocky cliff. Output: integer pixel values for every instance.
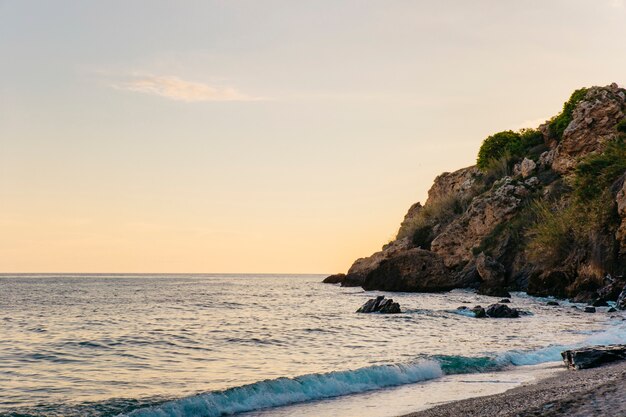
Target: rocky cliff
(543, 211)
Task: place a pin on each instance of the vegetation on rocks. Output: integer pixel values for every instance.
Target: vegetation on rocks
(559, 123)
(543, 211)
(503, 147)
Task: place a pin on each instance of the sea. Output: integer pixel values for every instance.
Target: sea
(210, 345)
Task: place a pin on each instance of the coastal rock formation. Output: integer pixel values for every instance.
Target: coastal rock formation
(545, 213)
(592, 126)
(458, 183)
(591, 357)
(485, 212)
(380, 305)
(493, 275)
(334, 279)
(414, 270)
(363, 266)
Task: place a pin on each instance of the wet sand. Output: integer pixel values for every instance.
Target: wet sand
(590, 392)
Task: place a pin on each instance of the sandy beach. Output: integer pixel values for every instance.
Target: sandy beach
(591, 392)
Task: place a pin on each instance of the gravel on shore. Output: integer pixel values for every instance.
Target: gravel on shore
(589, 392)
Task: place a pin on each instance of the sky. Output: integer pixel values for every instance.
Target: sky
(263, 136)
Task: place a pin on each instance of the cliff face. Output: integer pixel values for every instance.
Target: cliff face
(548, 217)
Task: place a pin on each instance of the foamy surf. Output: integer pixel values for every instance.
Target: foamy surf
(287, 391)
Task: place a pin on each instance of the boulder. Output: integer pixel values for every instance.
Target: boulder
(492, 274)
(380, 305)
(611, 310)
(552, 303)
(479, 312)
(501, 311)
(590, 310)
(504, 301)
(527, 166)
(591, 357)
(414, 270)
(334, 279)
(593, 124)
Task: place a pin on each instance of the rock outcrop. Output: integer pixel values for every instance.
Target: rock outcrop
(493, 275)
(476, 226)
(363, 266)
(484, 214)
(380, 305)
(334, 279)
(458, 183)
(414, 270)
(592, 126)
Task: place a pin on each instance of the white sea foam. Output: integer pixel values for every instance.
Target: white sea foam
(284, 391)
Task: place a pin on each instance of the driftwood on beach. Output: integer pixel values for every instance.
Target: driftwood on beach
(590, 357)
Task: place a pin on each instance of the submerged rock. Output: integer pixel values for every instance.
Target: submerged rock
(380, 305)
(552, 303)
(479, 312)
(590, 310)
(505, 301)
(590, 357)
(501, 311)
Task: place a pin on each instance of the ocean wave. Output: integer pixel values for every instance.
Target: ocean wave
(286, 391)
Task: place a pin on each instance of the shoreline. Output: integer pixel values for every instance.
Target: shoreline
(597, 391)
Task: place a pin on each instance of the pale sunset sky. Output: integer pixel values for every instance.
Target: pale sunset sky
(263, 136)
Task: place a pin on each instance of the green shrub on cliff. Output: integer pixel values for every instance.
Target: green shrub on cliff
(506, 146)
(559, 123)
(586, 218)
(597, 172)
(621, 126)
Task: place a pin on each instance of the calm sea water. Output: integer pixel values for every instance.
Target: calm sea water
(209, 345)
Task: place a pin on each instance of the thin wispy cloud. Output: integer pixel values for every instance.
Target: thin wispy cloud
(175, 88)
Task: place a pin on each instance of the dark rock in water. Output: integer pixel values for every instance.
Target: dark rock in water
(352, 280)
(590, 309)
(479, 312)
(590, 357)
(501, 311)
(504, 301)
(599, 303)
(492, 274)
(334, 279)
(611, 310)
(621, 300)
(552, 303)
(380, 305)
(462, 308)
(415, 270)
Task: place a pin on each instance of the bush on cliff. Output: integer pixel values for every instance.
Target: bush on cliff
(559, 123)
(504, 147)
(587, 219)
(597, 172)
